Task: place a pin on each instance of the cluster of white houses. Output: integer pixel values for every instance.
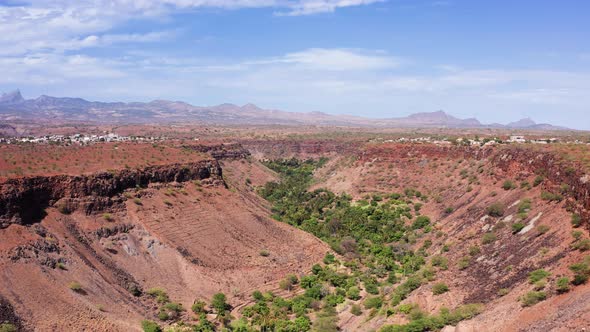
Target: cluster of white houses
(474, 142)
(78, 139)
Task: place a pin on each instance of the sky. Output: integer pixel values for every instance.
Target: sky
(495, 60)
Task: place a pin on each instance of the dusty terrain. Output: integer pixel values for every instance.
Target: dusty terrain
(194, 235)
(187, 218)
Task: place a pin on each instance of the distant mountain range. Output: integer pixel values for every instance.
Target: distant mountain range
(13, 107)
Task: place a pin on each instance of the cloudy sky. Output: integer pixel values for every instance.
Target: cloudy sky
(495, 60)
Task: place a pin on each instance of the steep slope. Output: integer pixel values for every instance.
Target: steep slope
(490, 253)
(100, 241)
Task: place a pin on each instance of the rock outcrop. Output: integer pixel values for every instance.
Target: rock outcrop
(24, 200)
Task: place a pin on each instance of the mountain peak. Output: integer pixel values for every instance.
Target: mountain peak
(250, 106)
(522, 123)
(11, 97)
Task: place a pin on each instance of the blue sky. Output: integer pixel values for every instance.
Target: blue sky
(495, 60)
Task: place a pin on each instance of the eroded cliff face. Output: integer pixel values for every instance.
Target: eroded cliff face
(222, 151)
(300, 148)
(24, 200)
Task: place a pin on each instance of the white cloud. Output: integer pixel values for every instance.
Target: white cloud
(309, 7)
(335, 60)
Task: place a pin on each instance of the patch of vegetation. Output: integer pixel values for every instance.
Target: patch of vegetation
(423, 322)
(488, 238)
(108, 217)
(464, 262)
(75, 286)
(8, 327)
(576, 220)
(373, 303)
(496, 210)
(562, 285)
(440, 261)
(440, 288)
(159, 294)
(542, 229)
(581, 245)
(264, 253)
(581, 272)
(517, 227)
(503, 291)
(150, 326)
(538, 275)
(533, 297)
(551, 197)
(524, 206)
(508, 185)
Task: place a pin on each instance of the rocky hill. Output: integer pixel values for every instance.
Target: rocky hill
(46, 108)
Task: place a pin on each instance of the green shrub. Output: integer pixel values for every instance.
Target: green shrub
(577, 235)
(496, 210)
(576, 220)
(464, 262)
(199, 306)
(562, 285)
(150, 326)
(219, 303)
(542, 229)
(8, 327)
(421, 222)
(533, 297)
(439, 261)
(373, 303)
(538, 180)
(356, 310)
(329, 258)
(264, 253)
(163, 315)
(449, 210)
(517, 227)
(538, 275)
(75, 286)
(508, 185)
(440, 288)
(174, 307)
(107, 217)
(474, 250)
(582, 245)
(503, 291)
(581, 273)
(488, 238)
(353, 293)
(159, 294)
(551, 197)
(524, 206)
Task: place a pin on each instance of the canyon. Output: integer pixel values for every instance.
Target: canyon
(196, 226)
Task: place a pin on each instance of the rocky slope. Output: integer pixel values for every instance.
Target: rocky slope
(191, 229)
(461, 184)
